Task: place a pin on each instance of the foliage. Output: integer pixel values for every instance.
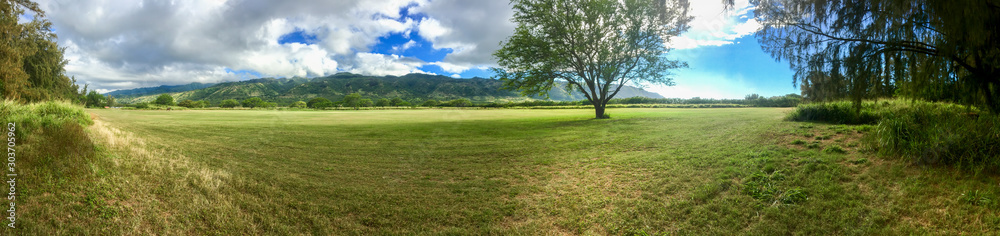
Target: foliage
(319, 103)
(352, 100)
(594, 46)
(268, 105)
(31, 63)
(252, 102)
(191, 104)
(842, 112)
(931, 49)
(397, 102)
(382, 102)
(458, 103)
(165, 99)
(430, 103)
(936, 133)
(924, 132)
(95, 99)
(229, 103)
(365, 103)
(301, 104)
(110, 101)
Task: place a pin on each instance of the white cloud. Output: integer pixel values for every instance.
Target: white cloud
(713, 25)
(117, 44)
(382, 65)
(472, 29)
(404, 47)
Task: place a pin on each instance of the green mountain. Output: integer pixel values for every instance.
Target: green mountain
(158, 90)
(412, 86)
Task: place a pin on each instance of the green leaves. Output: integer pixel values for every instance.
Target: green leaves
(595, 46)
(931, 49)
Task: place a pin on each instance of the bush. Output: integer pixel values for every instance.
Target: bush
(229, 103)
(252, 102)
(835, 112)
(319, 103)
(924, 132)
(384, 102)
(365, 103)
(165, 99)
(299, 104)
(461, 102)
(142, 105)
(940, 133)
(51, 138)
(190, 104)
(430, 103)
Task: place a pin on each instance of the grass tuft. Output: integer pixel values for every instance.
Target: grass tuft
(834, 149)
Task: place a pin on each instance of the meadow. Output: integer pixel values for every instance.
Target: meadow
(646, 171)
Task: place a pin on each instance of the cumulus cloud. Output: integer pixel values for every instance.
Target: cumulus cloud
(473, 29)
(713, 25)
(382, 65)
(119, 44)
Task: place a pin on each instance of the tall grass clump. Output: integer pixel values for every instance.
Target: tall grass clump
(940, 133)
(842, 112)
(50, 137)
(924, 132)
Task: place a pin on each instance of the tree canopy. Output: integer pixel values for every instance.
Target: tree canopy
(165, 99)
(595, 46)
(931, 49)
(229, 103)
(31, 63)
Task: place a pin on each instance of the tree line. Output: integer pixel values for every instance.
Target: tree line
(356, 101)
(31, 63)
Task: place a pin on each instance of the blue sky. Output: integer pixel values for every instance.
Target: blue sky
(123, 44)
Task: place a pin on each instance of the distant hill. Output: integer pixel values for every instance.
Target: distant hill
(158, 90)
(413, 86)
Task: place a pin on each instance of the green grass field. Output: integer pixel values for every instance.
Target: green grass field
(507, 171)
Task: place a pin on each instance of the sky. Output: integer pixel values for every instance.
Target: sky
(124, 44)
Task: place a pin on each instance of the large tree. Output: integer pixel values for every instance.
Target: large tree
(594, 46)
(931, 49)
(31, 63)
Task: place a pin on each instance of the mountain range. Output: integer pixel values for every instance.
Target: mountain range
(285, 91)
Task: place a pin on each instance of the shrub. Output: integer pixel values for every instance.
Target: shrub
(940, 133)
(142, 105)
(51, 136)
(299, 104)
(398, 102)
(229, 103)
(835, 112)
(365, 103)
(461, 102)
(252, 102)
(384, 102)
(924, 132)
(165, 99)
(189, 104)
(319, 103)
(430, 103)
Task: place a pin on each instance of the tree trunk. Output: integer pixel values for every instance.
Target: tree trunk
(599, 110)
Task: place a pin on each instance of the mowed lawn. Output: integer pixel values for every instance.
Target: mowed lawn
(513, 171)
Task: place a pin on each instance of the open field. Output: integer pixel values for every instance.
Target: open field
(507, 171)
